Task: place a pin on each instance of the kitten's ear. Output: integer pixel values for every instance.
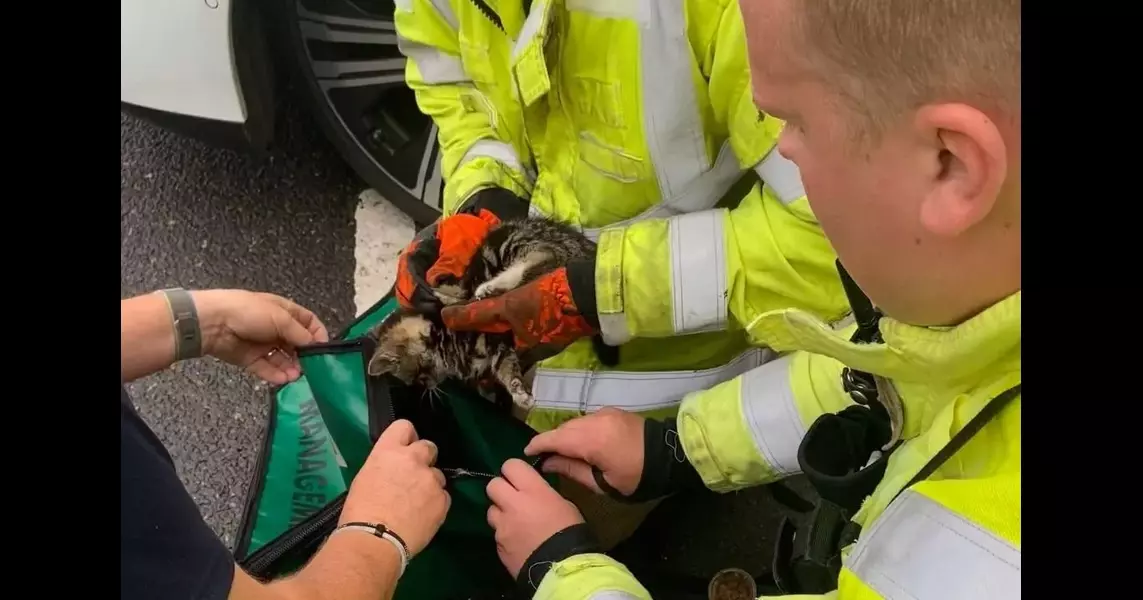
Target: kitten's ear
(382, 363)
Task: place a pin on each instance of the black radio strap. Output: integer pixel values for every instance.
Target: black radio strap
(843, 456)
(815, 570)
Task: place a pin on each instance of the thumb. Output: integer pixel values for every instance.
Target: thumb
(399, 433)
(573, 469)
(570, 440)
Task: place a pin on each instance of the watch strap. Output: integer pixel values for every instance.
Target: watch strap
(184, 317)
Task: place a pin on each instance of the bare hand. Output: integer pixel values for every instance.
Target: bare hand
(399, 488)
(611, 440)
(257, 331)
(525, 512)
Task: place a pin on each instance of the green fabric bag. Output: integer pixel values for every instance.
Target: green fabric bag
(322, 427)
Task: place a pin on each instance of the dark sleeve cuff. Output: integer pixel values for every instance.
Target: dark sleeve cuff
(564, 544)
(581, 282)
(498, 201)
(666, 469)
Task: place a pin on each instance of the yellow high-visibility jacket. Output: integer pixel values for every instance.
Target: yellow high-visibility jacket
(954, 535)
(632, 120)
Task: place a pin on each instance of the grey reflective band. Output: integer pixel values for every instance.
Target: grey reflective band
(184, 316)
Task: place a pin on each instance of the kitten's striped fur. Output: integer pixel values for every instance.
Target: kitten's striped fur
(418, 349)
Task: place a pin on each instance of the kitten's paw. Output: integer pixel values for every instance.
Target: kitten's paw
(450, 294)
(524, 401)
(487, 290)
(520, 395)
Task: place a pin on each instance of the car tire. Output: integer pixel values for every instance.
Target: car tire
(342, 56)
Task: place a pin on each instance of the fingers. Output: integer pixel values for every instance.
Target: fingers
(573, 469)
(440, 478)
(304, 317)
(495, 516)
(400, 433)
(500, 492)
(269, 372)
(281, 360)
(572, 439)
(522, 476)
(424, 451)
(290, 330)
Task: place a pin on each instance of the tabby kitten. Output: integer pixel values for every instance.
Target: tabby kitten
(418, 349)
(516, 252)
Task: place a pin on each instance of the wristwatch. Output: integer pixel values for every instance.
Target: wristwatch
(184, 317)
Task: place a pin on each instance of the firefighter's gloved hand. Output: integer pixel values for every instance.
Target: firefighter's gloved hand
(549, 313)
(440, 253)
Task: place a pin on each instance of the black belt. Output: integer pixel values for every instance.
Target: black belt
(835, 456)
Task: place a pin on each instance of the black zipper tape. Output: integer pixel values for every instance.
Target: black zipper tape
(305, 536)
(257, 479)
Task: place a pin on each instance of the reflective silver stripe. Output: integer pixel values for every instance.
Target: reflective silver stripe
(671, 116)
(436, 67)
(768, 405)
(613, 329)
(532, 26)
(919, 550)
(782, 175)
(501, 151)
(698, 271)
(589, 391)
(615, 9)
(444, 9)
(612, 595)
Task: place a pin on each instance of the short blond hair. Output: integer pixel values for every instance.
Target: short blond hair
(888, 57)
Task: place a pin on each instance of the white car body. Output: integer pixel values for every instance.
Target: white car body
(210, 69)
(176, 56)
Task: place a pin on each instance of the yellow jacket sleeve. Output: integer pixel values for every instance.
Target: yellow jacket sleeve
(599, 577)
(477, 150)
(746, 431)
(693, 272)
(716, 269)
(590, 577)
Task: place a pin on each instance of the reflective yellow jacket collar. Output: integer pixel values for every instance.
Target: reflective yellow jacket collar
(909, 353)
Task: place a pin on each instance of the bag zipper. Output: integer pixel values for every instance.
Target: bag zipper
(266, 556)
(457, 472)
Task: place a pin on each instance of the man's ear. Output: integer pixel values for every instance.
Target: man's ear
(970, 167)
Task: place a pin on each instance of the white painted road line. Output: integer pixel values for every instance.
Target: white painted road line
(382, 232)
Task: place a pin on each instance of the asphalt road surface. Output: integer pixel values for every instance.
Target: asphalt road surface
(297, 223)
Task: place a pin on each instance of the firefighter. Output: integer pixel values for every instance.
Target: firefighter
(632, 121)
(904, 119)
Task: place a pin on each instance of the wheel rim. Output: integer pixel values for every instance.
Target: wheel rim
(351, 48)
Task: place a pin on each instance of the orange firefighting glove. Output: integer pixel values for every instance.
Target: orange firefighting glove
(441, 252)
(545, 316)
